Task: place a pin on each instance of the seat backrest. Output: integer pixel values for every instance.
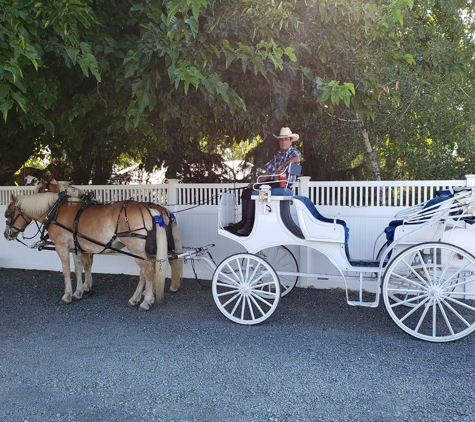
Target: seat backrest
(335, 229)
(295, 169)
(313, 210)
(291, 173)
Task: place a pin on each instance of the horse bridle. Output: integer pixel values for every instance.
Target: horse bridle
(12, 230)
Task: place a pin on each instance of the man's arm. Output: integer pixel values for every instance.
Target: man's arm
(295, 160)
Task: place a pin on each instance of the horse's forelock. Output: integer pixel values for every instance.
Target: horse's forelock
(36, 204)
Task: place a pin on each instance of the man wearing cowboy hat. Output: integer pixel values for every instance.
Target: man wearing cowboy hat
(282, 158)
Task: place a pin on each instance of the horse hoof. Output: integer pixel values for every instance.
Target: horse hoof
(174, 289)
(143, 307)
(131, 304)
(77, 296)
(64, 301)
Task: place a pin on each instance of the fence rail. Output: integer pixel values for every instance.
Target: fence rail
(341, 194)
(377, 194)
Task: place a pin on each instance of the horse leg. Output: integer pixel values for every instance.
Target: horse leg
(176, 264)
(68, 288)
(87, 259)
(137, 296)
(147, 270)
(160, 263)
(77, 257)
(155, 272)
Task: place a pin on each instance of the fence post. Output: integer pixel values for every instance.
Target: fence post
(304, 263)
(304, 186)
(470, 180)
(172, 192)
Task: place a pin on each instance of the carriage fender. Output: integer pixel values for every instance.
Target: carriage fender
(462, 238)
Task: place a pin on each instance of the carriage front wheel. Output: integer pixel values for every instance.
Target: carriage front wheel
(246, 288)
(429, 291)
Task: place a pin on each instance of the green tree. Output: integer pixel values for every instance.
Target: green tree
(39, 44)
(177, 82)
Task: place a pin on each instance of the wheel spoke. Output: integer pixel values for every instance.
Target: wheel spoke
(460, 317)
(413, 310)
(424, 313)
(233, 312)
(257, 294)
(408, 280)
(409, 301)
(462, 304)
(456, 274)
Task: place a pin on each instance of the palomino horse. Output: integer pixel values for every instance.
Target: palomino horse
(93, 228)
(173, 235)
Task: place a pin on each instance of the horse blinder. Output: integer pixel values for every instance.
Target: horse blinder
(11, 232)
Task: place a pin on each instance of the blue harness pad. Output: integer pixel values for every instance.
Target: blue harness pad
(159, 220)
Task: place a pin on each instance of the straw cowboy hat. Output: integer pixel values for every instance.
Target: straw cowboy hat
(285, 132)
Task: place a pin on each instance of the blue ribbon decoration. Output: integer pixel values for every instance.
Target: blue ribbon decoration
(159, 220)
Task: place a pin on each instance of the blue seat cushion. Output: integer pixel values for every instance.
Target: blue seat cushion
(313, 209)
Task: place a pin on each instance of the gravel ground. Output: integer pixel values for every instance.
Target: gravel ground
(314, 359)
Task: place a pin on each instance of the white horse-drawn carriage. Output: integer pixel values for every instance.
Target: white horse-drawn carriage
(426, 273)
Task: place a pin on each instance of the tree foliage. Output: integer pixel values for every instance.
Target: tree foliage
(374, 88)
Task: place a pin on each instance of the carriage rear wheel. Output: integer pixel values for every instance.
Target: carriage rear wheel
(283, 261)
(246, 288)
(429, 291)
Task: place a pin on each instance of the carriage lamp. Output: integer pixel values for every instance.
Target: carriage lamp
(264, 193)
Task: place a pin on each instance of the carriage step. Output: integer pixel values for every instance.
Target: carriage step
(362, 303)
(365, 263)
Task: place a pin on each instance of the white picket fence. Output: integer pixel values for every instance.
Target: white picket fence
(367, 207)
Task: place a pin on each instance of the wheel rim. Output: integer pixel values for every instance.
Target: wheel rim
(282, 260)
(429, 292)
(246, 289)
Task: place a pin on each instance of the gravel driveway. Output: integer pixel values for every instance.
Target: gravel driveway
(314, 359)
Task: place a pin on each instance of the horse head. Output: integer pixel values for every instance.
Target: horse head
(16, 221)
(23, 209)
(56, 187)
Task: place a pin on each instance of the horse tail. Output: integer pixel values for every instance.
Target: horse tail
(176, 264)
(161, 257)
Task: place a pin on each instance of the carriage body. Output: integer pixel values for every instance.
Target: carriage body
(426, 274)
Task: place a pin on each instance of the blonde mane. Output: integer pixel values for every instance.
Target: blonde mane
(36, 204)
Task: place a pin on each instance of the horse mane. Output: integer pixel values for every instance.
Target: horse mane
(36, 204)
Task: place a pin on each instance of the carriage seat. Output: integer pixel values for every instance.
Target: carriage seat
(315, 226)
(394, 224)
(276, 191)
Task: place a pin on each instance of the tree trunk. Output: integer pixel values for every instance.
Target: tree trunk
(371, 154)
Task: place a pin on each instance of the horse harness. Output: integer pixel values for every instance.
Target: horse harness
(150, 245)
